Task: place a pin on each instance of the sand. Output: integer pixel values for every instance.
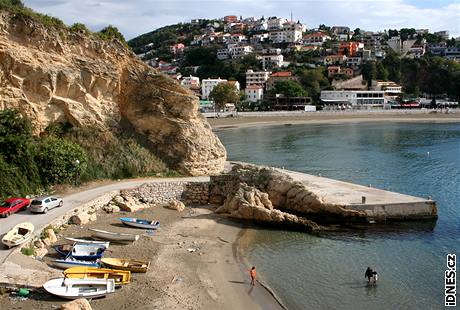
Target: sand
(286, 118)
(195, 264)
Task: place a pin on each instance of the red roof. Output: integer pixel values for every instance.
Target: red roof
(282, 74)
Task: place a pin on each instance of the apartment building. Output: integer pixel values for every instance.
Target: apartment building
(358, 99)
(207, 85)
(257, 77)
(254, 93)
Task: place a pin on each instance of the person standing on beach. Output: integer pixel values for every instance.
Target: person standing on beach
(369, 274)
(252, 272)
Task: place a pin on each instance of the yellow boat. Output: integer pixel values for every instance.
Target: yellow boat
(120, 276)
(126, 264)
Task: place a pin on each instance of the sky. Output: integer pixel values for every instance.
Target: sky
(135, 17)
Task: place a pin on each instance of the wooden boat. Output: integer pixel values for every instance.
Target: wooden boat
(126, 264)
(113, 236)
(18, 234)
(81, 251)
(139, 223)
(79, 288)
(120, 276)
(85, 241)
(70, 262)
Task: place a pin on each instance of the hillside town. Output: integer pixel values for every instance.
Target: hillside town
(290, 67)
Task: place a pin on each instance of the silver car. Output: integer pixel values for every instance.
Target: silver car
(43, 204)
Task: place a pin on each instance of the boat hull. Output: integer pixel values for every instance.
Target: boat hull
(139, 223)
(117, 237)
(126, 264)
(120, 277)
(18, 235)
(79, 288)
(65, 264)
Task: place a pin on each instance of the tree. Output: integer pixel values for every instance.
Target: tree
(382, 72)
(290, 88)
(369, 71)
(313, 80)
(110, 32)
(224, 93)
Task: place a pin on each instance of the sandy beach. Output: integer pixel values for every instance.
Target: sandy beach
(195, 264)
(252, 119)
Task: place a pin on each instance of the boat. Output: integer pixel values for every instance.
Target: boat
(85, 241)
(113, 236)
(18, 234)
(139, 223)
(81, 251)
(79, 288)
(120, 276)
(126, 264)
(70, 262)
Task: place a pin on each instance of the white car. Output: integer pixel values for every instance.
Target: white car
(43, 204)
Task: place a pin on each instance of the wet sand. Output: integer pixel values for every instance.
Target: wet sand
(195, 264)
(267, 119)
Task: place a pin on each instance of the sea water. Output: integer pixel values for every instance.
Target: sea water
(327, 271)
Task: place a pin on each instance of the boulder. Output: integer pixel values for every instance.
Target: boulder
(111, 208)
(117, 199)
(176, 205)
(80, 219)
(47, 241)
(41, 252)
(77, 304)
(39, 244)
(93, 217)
(51, 235)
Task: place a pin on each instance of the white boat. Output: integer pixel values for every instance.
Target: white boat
(85, 241)
(70, 288)
(140, 223)
(113, 236)
(81, 251)
(70, 262)
(18, 234)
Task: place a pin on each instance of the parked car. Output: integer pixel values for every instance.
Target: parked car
(44, 204)
(13, 205)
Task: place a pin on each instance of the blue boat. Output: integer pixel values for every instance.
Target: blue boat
(71, 262)
(134, 222)
(79, 251)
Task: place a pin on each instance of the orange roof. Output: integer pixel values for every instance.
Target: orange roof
(333, 68)
(282, 74)
(317, 34)
(254, 86)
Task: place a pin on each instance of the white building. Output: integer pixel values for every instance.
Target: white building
(257, 77)
(289, 33)
(207, 85)
(317, 38)
(239, 51)
(358, 99)
(271, 61)
(190, 81)
(274, 23)
(222, 54)
(258, 38)
(254, 93)
(353, 62)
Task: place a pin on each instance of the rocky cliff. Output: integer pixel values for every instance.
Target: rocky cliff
(71, 77)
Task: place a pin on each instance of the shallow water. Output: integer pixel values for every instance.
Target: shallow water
(327, 271)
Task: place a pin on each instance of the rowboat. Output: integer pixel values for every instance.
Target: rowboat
(85, 241)
(120, 276)
(81, 251)
(113, 236)
(18, 234)
(126, 264)
(70, 262)
(139, 223)
(79, 288)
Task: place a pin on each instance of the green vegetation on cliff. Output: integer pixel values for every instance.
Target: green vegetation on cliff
(66, 155)
(17, 8)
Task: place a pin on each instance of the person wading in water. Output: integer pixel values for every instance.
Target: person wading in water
(369, 274)
(252, 272)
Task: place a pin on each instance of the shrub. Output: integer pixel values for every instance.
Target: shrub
(60, 161)
(28, 251)
(109, 33)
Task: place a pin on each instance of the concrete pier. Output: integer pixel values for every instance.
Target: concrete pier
(380, 205)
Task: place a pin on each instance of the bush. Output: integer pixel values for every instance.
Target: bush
(60, 161)
(109, 33)
(79, 27)
(28, 251)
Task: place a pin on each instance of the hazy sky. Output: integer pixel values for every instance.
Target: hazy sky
(135, 17)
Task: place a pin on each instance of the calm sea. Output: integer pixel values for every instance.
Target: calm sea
(327, 271)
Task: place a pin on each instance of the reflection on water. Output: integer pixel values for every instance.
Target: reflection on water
(327, 271)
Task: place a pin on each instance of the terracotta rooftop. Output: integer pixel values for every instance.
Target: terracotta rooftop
(282, 74)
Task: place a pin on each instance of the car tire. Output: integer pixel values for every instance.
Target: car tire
(61, 203)
(45, 211)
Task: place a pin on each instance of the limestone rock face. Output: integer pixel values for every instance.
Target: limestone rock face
(80, 219)
(73, 78)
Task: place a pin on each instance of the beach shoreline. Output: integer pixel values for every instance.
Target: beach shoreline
(252, 119)
(195, 264)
